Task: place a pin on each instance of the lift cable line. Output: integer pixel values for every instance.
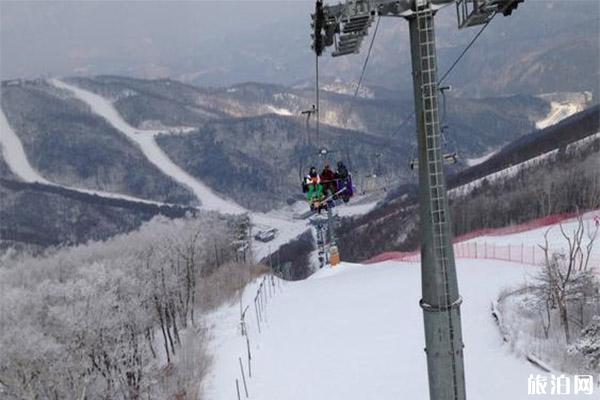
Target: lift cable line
(455, 63)
(452, 156)
(344, 26)
(364, 68)
(471, 43)
(316, 109)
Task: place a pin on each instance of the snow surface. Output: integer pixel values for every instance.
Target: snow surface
(288, 227)
(14, 153)
(145, 140)
(474, 161)
(558, 112)
(353, 210)
(279, 111)
(355, 332)
(556, 241)
(16, 159)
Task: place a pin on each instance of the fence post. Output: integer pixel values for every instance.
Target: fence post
(522, 246)
(257, 315)
(243, 376)
(249, 357)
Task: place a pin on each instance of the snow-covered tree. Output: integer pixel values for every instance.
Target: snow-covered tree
(588, 344)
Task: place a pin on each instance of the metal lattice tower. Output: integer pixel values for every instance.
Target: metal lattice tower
(440, 299)
(344, 26)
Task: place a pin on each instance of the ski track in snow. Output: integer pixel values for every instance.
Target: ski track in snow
(287, 227)
(355, 332)
(145, 140)
(16, 159)
(14, 153)
(558, 112)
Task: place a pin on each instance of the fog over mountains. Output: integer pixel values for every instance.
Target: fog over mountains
(546, 46)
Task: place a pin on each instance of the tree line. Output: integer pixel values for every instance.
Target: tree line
(120, 319)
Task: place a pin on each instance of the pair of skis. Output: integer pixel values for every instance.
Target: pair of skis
(319, 203)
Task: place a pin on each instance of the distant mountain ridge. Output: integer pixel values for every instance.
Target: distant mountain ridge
(247, 142)
(565, 182)
(244, 140)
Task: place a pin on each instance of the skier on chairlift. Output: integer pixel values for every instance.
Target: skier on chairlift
(328, 179)
(342, 171)
(312, 174)
(344, 182)
(314, 190)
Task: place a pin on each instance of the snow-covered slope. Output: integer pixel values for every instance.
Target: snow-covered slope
(556, 240)
(558, 112)
(355, 332)
(17, 161)
(288, 228)
(146, 142)
(14, 154)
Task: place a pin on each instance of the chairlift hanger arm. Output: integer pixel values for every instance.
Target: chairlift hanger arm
(345, 25)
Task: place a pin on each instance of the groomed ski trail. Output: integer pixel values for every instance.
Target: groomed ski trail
(288, 228)
(355, 332)
(14, 153)
(145, 140)
(15, 157)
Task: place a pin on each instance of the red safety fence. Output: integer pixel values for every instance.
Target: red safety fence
(526, 226)
(521, 253)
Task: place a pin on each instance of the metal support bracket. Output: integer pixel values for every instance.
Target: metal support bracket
(439, 308)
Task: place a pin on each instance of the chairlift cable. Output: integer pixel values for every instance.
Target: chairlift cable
(466, 49)
(454, 64)
(364, 67)
(317, 98)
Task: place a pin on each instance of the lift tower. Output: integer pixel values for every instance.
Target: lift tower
(344, 26)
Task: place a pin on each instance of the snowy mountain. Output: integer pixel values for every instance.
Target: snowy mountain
(355, 331)
(156, 241)
(546, 46)
(211, 132)
(168, 142)
(551, 171)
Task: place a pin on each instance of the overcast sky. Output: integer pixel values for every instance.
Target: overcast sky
(223, 42)
(58, 37)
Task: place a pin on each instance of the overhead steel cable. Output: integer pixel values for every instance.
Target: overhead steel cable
(465, 50)
(454, 64)
(364, 68)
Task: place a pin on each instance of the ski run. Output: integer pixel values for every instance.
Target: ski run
(355, 332)
(287, 227)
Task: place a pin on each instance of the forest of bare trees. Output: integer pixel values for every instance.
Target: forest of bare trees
(555, 314)
(562, 183)
(121, 319)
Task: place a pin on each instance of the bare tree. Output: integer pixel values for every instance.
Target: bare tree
(565, 276)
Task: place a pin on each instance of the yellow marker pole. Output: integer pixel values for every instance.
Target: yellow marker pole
(334, 256)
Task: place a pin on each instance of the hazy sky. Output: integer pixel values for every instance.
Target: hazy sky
(145, 37)
(222, 42)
